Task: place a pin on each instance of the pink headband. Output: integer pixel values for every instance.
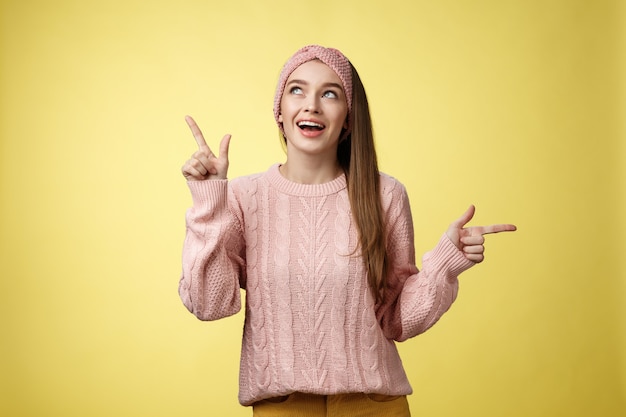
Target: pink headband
(333, 58)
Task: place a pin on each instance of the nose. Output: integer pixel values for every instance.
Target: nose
(312, 105)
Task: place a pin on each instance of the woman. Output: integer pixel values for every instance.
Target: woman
(329, 269)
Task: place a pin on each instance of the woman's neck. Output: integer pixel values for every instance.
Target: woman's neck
(310, 171)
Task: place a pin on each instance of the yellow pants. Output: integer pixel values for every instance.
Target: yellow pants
(342, 405)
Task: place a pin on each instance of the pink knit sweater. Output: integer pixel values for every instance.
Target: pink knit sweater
(311, 322)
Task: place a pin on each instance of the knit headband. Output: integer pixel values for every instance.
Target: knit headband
(333, 58)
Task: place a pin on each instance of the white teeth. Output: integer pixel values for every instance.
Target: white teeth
(308, 123)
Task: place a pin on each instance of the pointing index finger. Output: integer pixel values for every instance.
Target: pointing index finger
(197, 133)
(494, 228)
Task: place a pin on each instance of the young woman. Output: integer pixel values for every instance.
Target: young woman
(323, 246)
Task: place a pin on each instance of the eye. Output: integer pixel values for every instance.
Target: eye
(330, 94)
(295, 90)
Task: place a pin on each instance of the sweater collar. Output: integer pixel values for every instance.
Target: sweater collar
(283, 185)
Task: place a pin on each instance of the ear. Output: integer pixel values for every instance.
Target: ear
(280, 117)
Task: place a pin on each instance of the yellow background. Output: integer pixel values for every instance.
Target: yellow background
(515, 106)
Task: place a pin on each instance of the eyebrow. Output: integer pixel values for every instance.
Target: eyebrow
(339, 86)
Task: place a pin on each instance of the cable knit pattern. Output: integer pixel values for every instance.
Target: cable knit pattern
(311, 322)
(285, 372)
(341, 272)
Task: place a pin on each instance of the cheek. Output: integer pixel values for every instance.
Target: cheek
(345, 119)
(285, 106)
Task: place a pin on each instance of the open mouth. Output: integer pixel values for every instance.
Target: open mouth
(308, 125)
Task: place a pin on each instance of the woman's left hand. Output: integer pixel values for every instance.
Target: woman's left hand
(470, 240)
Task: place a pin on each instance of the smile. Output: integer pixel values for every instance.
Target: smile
(310, 125)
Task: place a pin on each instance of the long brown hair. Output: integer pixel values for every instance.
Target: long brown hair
(357, 156)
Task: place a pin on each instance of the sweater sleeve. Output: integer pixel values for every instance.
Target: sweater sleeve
(429, 293)
(416, 299)
(213, 252)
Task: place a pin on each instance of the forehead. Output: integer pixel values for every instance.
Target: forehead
(315, 72)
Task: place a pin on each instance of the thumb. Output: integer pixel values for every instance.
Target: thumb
(465, 218)
(224, 145)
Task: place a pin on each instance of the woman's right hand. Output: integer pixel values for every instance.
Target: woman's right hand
(204, 165)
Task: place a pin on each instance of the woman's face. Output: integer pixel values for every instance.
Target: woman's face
(314, 110)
